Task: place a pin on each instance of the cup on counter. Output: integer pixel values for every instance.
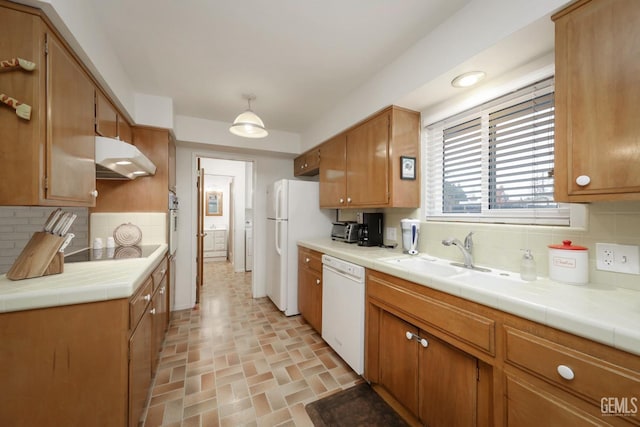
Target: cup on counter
(97, 243)
(111, 243)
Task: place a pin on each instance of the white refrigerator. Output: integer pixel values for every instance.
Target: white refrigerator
(293, 214)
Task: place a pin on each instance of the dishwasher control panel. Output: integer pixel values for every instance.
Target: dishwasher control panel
(344, 267)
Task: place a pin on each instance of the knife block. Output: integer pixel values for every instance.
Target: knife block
(41, 257)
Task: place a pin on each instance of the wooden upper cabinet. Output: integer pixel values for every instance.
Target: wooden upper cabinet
(143, 194)
(368, 163)
(124, 130)
(360, 168)
(333, 172)
(307, 164)
(48, 158)
(71, 170)
(106, 117)
(597, 134)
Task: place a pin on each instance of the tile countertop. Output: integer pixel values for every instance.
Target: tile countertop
(80, 282)
(605, 314)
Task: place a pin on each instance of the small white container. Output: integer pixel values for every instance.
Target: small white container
(569, 263)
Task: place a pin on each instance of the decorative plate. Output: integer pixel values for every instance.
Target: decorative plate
(127, 235)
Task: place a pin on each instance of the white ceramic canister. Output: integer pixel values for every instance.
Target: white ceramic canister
(569, 263)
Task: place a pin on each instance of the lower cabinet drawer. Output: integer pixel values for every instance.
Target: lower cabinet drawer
(310, 258)
(532, 405)
(463, 325)
(592, 378)
(139, 302)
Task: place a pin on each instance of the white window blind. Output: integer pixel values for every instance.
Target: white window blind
(494, 163)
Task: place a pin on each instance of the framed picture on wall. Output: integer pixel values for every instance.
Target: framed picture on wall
(407, 167)
(213, 203)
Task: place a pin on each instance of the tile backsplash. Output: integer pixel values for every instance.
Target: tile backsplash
(18, 223)
(153, 225)
(498, 245)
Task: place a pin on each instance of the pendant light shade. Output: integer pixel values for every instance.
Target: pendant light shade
(248, 124)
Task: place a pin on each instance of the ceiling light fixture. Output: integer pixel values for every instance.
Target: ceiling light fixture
(468, 79)
(248, 124)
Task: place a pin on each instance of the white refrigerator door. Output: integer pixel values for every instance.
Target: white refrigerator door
(277, 200)
(277, 262)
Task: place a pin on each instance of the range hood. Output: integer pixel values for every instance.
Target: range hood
(116, 159)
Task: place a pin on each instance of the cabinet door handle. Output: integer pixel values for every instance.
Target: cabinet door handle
(317, 281)
(348, 199)
(152, 311)
(162, 290)
(147, 297)
(411, 336)
(341, 200)
(565, 372)
(583, 180)
(94, 193)
(307, 260)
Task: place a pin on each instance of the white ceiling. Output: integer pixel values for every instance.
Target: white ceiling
(299, 58)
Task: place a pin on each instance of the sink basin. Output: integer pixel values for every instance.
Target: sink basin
(424, 265)
(490, 280)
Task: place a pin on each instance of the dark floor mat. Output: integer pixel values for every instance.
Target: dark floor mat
(356, 406)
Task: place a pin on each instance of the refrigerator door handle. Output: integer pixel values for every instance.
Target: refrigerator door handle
(277, 239)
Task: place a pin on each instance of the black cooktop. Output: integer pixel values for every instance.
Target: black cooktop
(108, 254)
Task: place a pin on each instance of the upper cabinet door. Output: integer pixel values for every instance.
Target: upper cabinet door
(597, 101)
(368, 163)
(70, 142)
(106, 117)
(333, 172)
(124, 130)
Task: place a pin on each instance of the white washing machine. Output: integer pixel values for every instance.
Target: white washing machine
(248, 245)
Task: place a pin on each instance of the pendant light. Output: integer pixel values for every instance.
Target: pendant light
(248, 124)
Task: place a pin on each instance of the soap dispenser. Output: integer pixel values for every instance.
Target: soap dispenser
(527, 266)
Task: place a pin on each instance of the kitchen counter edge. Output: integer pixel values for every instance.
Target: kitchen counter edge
(80, 283)
(604, 314)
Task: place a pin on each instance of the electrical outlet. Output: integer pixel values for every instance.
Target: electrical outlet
(391, 233)
(618, 258)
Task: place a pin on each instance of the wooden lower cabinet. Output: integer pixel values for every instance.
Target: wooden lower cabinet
(83, 364)
(140, 367)
(310, 287)
(448, 384)
(479, 366)
(437, 383)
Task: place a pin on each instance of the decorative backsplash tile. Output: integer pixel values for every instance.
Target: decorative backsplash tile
(153, 225)
(18, 223)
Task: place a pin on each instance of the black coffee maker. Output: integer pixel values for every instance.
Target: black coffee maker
(370, 231)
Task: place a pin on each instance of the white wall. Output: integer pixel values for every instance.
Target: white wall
(475, 28)
(266, 170)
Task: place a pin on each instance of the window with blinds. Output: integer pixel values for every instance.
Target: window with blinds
(494, 163)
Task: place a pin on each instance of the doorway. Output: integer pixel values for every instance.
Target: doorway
(225, 205)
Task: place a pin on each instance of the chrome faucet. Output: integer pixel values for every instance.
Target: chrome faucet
(467, 251)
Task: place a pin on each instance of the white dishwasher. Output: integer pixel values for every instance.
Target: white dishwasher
(343, 310)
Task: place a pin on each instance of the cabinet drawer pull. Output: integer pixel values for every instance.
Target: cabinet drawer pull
(348, 199)
(565, 372)
(307, 260)
(147, 297)
(583, 180)
(317, 281)
(162, 290)
(341, 200)
(152, 311)
(94, 193)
